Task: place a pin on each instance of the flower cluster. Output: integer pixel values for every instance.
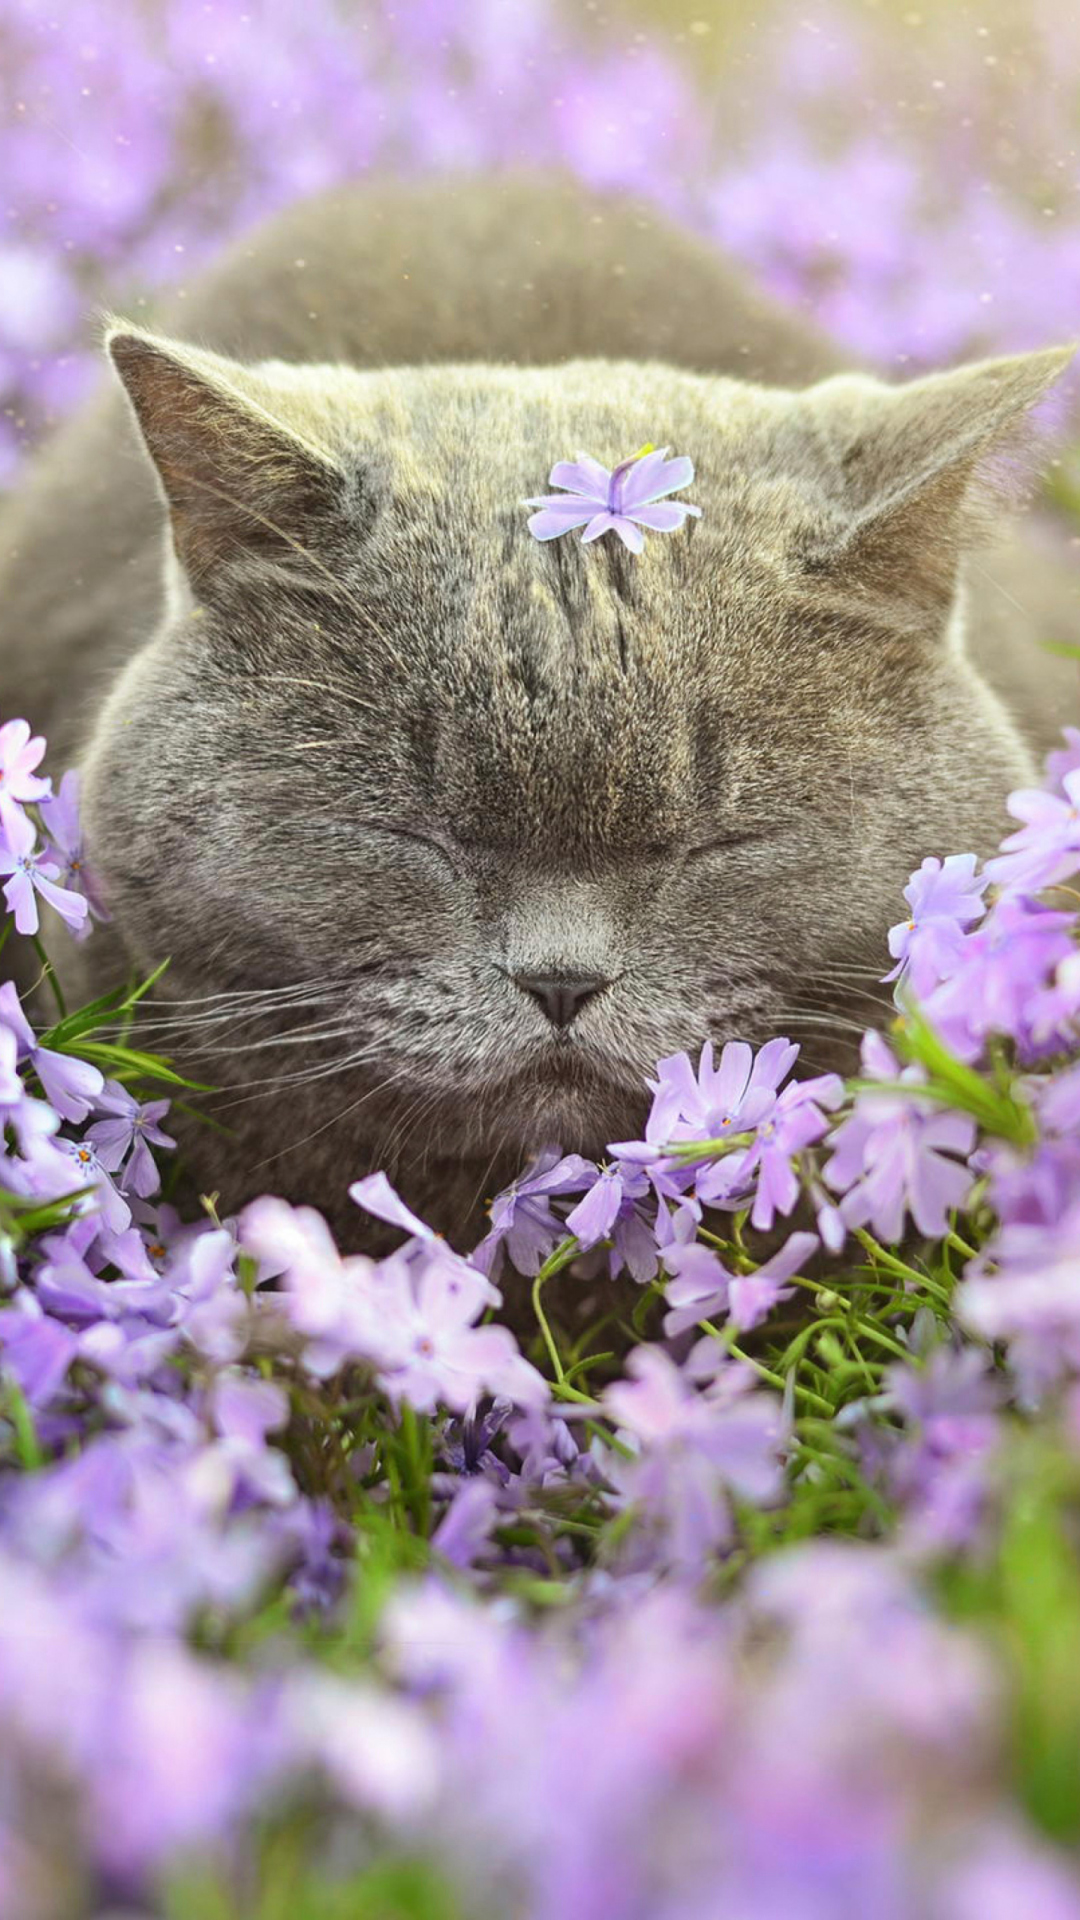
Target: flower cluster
(282, 1527)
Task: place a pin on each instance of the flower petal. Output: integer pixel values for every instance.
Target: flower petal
(582, 475)
(568, 503)
(652, 478)
(549, 526)
(664, 518)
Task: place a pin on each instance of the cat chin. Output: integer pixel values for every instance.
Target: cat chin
(580, 1116)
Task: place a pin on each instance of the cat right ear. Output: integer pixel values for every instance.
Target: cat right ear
(914, 472)
(241, 484)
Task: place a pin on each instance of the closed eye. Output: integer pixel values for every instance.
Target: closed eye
(723, 842)
(444, 848)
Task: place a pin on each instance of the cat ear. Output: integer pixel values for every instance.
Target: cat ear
(241, 483)
(912, 472)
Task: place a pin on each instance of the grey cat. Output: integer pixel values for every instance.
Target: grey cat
(449, 834)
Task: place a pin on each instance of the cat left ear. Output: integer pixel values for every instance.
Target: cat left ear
(910, 472)
(241, 483)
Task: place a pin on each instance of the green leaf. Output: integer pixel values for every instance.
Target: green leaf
(144, 1066)
(953, 1083)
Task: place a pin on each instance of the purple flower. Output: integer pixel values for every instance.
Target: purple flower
(1025, 1290)
(35, 1349)
(893, 1155)
(693, 1447)
(1051, 1010)
(613, 1209)
(1046, 847)
(71, 1086)
(89, 1173)
(619, 500)
(123, 1141)
(702, 1287)
(19, 784)
(333, 1303)
(994, 985)
(431, 1352)
(940, 1468)
(32, 873)
(793, 1123)
(522, 1221)
(412, 1317)
(715, 1102)
(60, 815)
(945, 897)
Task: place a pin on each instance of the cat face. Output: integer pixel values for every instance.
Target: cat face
(483, 827)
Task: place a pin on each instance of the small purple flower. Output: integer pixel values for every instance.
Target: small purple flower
(522, 1220)
(19, 784)
(60, 815)
(794, 1122)
(618, 500)
(123, 1141)
(614, 1209)
(32, 872)
(945, 897)
(996, 983)
(702, 1287)
(71, 1085)
(716, 1102)
(90, 1173)
(35, 1349)
(693, 1448)
(894, 1154)
(1046, 847)
(1025, 1290)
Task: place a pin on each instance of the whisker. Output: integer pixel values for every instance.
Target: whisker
(335, 1119)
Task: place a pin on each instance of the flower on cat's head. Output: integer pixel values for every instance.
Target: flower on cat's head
(620, 500)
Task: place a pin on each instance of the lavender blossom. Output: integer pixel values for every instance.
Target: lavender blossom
(896, 1154)
(692, 1447)
(522, 1222)
(1046, 847)
(32, 872)
(61, 820)
(945, 898)
(19, 785)
(702, 1287)
(124, 1139)
(620, 500)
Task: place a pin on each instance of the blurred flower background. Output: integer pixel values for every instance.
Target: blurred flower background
(907, 174)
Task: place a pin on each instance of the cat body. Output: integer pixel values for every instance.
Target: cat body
(450, 834)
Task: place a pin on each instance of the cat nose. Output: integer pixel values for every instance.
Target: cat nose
(562, 995)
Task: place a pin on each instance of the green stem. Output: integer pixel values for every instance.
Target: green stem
(27, 1445)
(953, 1240)
(418, 1493)
(50, 974)
(892, 1265)
(764, 1373)
(852, 1327)
(554, 1264)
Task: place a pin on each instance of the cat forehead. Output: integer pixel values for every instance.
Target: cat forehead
(466, 418)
